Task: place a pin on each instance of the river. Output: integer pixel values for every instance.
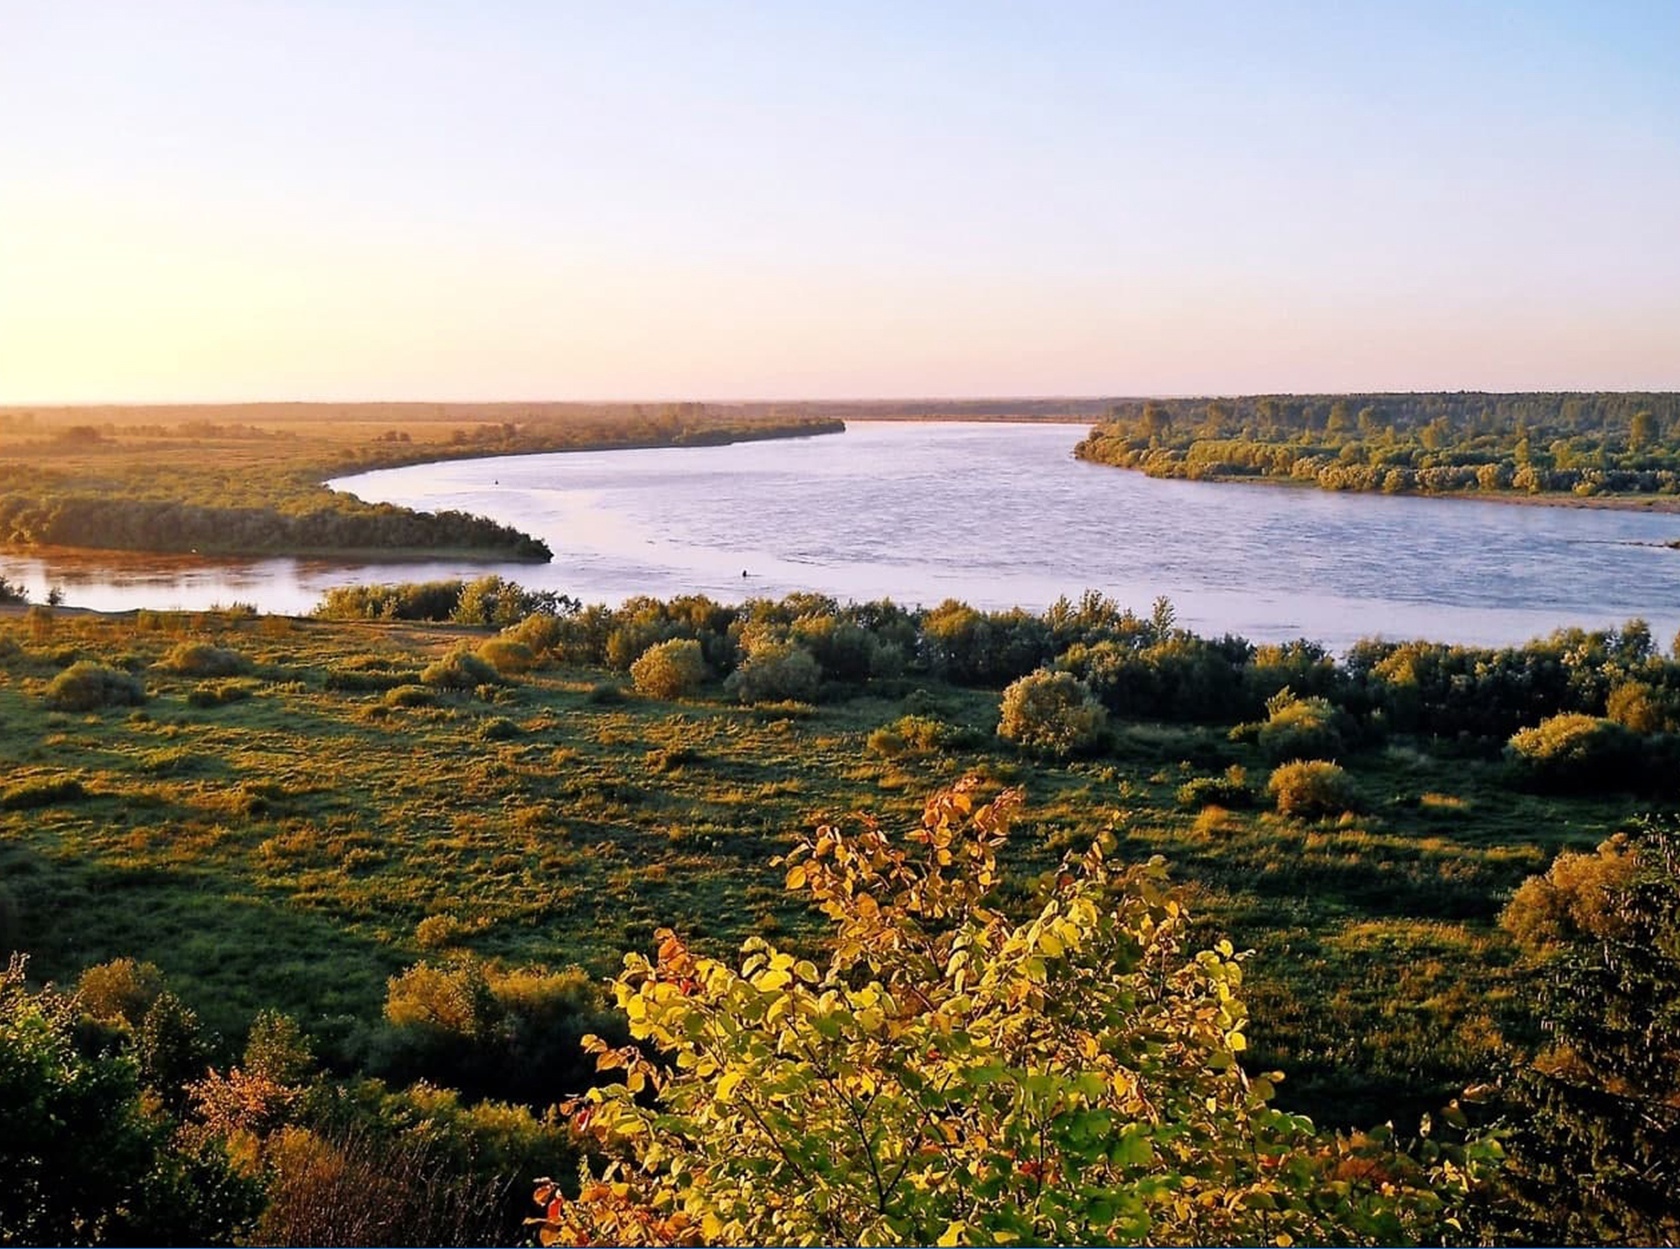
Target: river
(995, 514)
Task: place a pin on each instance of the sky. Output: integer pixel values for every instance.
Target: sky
(503, 200)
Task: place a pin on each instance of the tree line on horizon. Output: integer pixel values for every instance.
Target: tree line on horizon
(1577, 444)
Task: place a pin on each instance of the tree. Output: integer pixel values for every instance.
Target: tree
(87, 1160)
(1595, 1154)
(1052, 712)
(955, 1076)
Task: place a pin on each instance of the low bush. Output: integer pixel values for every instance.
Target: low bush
(498, 729)
(1573, 752)
(430, 600)
(217, 694)
(1312, 787)
(604, 694)
(200, 659)
(1299, 728)
(507, 656)
(1230, 791)
(460, 669)
(910, 735)
(410, 696)
(670, 669)
(1052, 712)
(88, 686)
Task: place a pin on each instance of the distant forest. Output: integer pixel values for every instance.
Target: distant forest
(1437, 443)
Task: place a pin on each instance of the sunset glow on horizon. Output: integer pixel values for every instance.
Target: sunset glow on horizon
(519, 201)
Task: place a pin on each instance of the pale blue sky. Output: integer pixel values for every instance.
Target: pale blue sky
(529, 200)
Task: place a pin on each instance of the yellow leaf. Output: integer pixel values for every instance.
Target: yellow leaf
(796, 877)
(953, 1235)
(727, 1084)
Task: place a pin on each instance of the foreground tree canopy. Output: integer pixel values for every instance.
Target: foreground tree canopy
(954, 1077)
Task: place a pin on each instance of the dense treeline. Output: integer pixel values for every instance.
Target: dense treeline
(1578, 444)
(247, 479)
(1137, 666)
(347, 525)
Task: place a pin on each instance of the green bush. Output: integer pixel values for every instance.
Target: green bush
(217, 694)
(430, 600)
(87, 686)
(200, 659)
(1299, 728)
(1052, 712)
(460, 669)
(410, 696)
(1575, 752)
(670, 669)
(910, 735)
(498, 729)
(1312, 787)
(507, 656)
(1231, 791)
(775, 672)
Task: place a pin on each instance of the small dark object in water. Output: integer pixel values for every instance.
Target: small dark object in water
(743, 572)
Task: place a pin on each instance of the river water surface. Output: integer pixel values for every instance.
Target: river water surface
(997, 515)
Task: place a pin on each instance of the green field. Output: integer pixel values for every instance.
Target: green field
(276, 838)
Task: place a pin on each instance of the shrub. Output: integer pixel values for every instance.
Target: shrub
(431, 600)
(1299, 728)
(910, 735)
(87, 1158)
(437, 931)
(410, 696)
(498, 729)
(460, 669)
(1052, 712)
(1574, 752)
(1311, 788)
(1636, 707)
(87, 686)
(121, 989)
(955, 1075)
(605, 694)
(775, 672)
(507, 656)
(219, 694)
(1229, 791)
(200, 659)
(670, 669)
(541, 631)
(1573, 900)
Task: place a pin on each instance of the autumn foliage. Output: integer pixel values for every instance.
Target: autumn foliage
(953, 1075)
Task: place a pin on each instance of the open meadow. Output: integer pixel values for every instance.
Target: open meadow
(300, 809)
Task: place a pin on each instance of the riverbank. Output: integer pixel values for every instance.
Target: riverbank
(249, 480)
(1662, 504)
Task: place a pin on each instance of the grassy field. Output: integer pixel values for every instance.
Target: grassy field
(247, 479)
(277, 836)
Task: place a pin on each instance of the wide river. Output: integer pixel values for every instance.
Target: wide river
(995, 514)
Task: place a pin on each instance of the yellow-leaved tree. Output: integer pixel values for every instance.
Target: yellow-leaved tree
(954, 1076)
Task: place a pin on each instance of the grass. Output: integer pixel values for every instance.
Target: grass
(292, 845)
(248, 478)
